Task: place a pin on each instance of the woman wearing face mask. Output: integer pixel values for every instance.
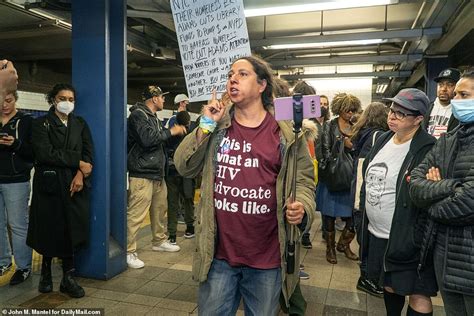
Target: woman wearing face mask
(59, 215)
(444, 183)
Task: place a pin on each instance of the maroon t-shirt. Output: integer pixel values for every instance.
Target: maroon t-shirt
(248, 161)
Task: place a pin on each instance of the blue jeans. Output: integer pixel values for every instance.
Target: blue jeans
(14, 199)
(220, 294)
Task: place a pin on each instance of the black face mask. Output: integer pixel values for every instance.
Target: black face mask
(324, 111)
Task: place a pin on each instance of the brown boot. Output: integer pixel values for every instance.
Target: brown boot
(343, 245)
(330, 247)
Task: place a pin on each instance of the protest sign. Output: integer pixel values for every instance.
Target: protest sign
(211, 34)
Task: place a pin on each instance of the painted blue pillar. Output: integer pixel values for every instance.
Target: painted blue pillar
(434, 65)
(99, 76)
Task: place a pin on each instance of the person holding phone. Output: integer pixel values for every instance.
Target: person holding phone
(244, 213)
(16, 161)
(59, 215)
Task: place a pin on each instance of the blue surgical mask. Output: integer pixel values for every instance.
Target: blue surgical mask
(463, 110)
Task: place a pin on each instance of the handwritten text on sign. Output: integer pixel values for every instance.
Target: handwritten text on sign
(211, 34)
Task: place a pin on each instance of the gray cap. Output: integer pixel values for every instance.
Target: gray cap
(180, 98)
(412, 99)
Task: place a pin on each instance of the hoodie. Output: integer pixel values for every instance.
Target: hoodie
(16, 160)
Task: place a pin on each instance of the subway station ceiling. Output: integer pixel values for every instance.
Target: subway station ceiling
(396, 38)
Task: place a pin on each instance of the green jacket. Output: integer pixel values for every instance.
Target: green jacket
(191, 158)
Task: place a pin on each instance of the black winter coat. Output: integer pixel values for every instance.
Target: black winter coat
(59, 223)
(146, 142)
(409, 221)
(16, 160)
(363, 143)
(451, 204)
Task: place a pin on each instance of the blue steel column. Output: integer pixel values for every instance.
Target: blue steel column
(99, 75)
(434, 65)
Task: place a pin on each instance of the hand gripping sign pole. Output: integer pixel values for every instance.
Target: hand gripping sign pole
(297, 123)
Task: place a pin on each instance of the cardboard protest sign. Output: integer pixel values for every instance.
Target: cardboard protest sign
(211, 34)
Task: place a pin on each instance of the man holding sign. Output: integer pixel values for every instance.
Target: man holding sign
(241, 222)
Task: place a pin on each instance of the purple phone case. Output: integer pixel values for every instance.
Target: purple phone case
(284, 107)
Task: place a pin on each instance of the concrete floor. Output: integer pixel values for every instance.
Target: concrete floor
(164, 286)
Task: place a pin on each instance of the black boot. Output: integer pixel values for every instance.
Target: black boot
(306, 241)
(70, 287)
(46, 281)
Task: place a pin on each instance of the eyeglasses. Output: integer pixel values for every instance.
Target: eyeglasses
(446, 84)
(400, 115)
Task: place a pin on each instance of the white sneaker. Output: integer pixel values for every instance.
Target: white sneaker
(133, 261)
(166, 246)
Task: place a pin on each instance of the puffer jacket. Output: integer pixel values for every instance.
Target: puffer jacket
(191, 158)
(409, 221)
(146, 142)
(451, 205)
(16, 160)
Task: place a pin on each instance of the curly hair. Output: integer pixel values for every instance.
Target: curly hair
(374, 116)
(345, 102)
(264, 72)
(58, 87)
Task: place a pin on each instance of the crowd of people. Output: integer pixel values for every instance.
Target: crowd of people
(398, 174)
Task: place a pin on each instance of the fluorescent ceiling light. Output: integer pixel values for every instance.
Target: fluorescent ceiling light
(49, 16)
(381, 87)
(313, 55)
(320, 6)
(326, 44)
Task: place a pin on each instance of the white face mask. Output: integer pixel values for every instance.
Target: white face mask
(65, 107)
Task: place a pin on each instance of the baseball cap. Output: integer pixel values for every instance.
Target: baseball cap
(152, 91)
(450, 74)
(180, 98)
(412, 99)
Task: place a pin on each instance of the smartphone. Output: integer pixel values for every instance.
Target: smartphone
(3, 134)
(284, 107)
